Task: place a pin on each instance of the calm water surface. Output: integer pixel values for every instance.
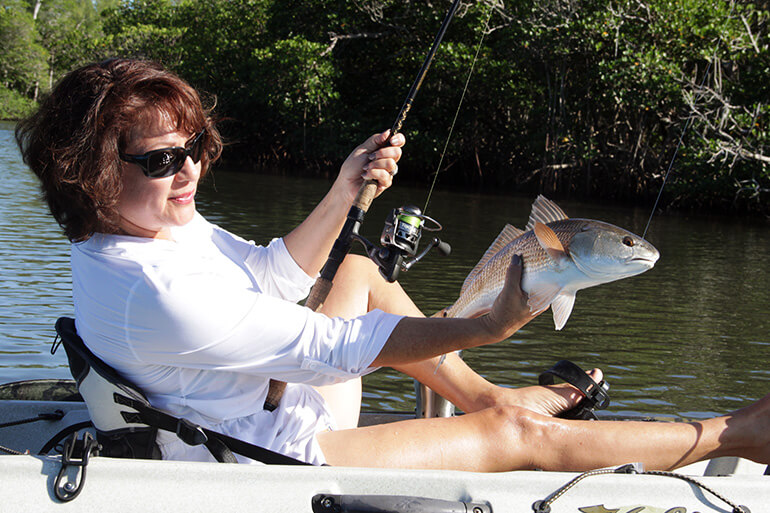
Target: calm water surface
(689, 338)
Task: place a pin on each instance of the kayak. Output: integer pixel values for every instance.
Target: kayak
(38, 416)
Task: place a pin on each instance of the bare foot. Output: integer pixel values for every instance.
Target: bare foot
(749, 430)
(547, 400)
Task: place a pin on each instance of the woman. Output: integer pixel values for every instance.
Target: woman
(201, 319)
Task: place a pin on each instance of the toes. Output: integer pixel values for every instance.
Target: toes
(596, 374)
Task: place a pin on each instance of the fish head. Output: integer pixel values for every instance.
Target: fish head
(606, 253)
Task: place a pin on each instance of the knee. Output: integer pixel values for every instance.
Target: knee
(350, 295)
(516, 424)
(358, 265)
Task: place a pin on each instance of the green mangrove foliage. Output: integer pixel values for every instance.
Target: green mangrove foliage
(585, 99)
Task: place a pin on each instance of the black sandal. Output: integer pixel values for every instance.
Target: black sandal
(596, 397)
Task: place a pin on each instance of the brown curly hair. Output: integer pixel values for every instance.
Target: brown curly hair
(73, 141)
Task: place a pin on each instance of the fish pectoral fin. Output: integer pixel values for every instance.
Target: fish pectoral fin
(550, 242)
(562, 308)
(541, 298)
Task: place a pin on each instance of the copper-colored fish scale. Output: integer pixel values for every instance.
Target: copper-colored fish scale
(492, 276)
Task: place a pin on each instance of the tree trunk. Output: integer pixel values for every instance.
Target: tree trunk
(50, 73)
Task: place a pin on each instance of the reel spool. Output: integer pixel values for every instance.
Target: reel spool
(401, 239)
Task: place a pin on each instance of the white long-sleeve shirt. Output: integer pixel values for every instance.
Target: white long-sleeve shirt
(201, 324)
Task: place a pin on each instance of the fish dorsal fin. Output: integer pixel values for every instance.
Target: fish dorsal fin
(562, 308)
(550, 242)
(506, 236)
(544, 211)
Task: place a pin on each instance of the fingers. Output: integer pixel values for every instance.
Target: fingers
(386, 157)
(383, 160)
(383, 178)
(596, 374)
(513, 275)
(510, 311)
(375, 159)
(380, 140)
(513, 282)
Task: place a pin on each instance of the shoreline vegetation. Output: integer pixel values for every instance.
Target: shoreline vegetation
(580, 100)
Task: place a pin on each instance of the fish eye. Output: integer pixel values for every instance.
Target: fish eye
(628, 241)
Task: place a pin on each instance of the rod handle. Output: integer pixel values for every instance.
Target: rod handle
(366, 195)
(318, 294)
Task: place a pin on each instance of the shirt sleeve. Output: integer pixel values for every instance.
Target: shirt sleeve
(201, 322)
(273, 266)
(278, 273)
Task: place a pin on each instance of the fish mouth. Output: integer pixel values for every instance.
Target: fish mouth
(642, 260)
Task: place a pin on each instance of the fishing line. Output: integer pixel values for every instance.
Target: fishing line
(459, 106)
(686, 127)
(452, 127)
(676, 150)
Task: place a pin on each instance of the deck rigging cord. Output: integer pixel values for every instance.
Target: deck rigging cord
(687, 125)
(544, 505)
(360, 206)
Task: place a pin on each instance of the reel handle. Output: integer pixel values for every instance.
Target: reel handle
(443, 247)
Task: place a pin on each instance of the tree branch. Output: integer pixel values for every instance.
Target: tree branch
(335, 38)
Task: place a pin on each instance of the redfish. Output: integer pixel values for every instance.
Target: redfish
(559, 256)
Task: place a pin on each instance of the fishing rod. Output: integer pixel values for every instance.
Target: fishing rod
(366, 193)
(402, 228)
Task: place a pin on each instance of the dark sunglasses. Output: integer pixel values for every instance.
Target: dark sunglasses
(168, 161)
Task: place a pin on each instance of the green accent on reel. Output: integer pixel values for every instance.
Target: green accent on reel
(412, 220)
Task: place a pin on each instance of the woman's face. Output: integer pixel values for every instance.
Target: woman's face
(149, 207)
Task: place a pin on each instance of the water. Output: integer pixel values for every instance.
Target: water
(690, 338)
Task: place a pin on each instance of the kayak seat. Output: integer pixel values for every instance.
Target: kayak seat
(119, 428)
(127, 424)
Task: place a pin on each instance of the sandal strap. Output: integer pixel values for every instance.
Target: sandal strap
(596, 397)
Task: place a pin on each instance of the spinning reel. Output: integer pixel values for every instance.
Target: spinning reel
(401, 239)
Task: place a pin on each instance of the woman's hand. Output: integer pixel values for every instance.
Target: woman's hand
(375, 159)
(510, 310)
(310, 243)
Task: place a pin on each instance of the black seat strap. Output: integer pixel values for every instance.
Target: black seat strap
(193, 434)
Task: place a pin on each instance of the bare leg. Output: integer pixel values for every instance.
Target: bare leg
(359, 288)
(349, 297)
(510, 438)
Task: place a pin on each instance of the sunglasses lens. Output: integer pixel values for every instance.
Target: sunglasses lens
(196, 152)
(165, 163)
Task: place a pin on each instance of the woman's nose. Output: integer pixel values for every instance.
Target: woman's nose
(189, 171)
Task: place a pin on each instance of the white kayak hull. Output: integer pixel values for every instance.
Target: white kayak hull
(117, 485)
(145, 485)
